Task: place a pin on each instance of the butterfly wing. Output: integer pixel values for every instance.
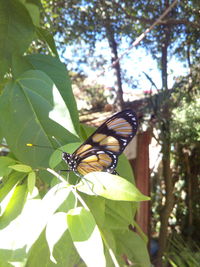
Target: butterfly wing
(96, 160)
(101, 150)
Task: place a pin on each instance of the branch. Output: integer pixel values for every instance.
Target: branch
(168, 21)
(151, 81)
(180, 21)
(142, 36)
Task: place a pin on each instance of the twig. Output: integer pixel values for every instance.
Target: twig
(141, 37)
(57, 175)
(72, 188)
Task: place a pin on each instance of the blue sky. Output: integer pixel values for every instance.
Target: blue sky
(137, 62)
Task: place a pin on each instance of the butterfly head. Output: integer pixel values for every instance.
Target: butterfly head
(69, 160)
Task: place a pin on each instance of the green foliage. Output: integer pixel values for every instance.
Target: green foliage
(45, 222)
(17, 31)
(183, 253)
(185, 123)
(95, 97)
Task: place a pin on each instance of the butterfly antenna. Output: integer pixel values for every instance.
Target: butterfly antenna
(34, 145)
(58, 142)
(49, 147)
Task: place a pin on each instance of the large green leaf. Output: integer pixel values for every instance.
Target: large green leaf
(16, 31)
(4, 163)
(46, 36)
(110, 186)
(48, 206)
(56, 70)
(14, 206)
(64, 253)
(86, 237)
(34, 11)
(119, 214)
(31, 181)
(124, 168)
(21, 168)
(131, 244)
(24, 229)
(8, 184)
(55, 229)
(25, 106)
(97, 208)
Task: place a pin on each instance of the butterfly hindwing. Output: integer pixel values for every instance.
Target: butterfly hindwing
(101, 150)
(96, 160)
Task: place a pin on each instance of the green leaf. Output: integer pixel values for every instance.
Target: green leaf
(110, 186)
(21, 168)
(51, 202)
(131, 244)
(9, 257)
(26, 228)
(68, 203)
(8, 185)
(14, 206)
(119, 214)
(20, 64)
(124, 168)
(86, 236)
(31, 181)
(34, 12)
(56, 156)
(55, 229)
(31, 97)
(97, 208)
(46, 36)
(56, 70)
(1, 135)
(4, 163)
(16, 31)
(86, 131)
(64, 253)
(46, 208)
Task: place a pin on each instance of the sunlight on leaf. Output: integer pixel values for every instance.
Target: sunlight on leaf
(110, 186)
(31, 181)
(86, 236)
(21, 168)
(55, 229)
(4, 163)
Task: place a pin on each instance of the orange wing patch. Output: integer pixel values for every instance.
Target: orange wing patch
(90, 159)
(94, 163)
(84, 168)
(121, 127)
(98, 137)
(111, 143)
(105, 160)
(82, 149)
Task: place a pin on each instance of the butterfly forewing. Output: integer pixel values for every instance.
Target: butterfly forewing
(101, 150)
(96, 160)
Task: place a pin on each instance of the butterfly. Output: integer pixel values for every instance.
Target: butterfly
(101, 150)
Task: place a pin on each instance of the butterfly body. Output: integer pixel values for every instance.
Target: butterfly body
(101, 150)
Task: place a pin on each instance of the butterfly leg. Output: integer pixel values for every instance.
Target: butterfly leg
(65, 171)
(115, 172)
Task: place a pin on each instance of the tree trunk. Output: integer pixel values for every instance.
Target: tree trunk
(110, 34)
(166, 150)
(117, 69)
(169, 201)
